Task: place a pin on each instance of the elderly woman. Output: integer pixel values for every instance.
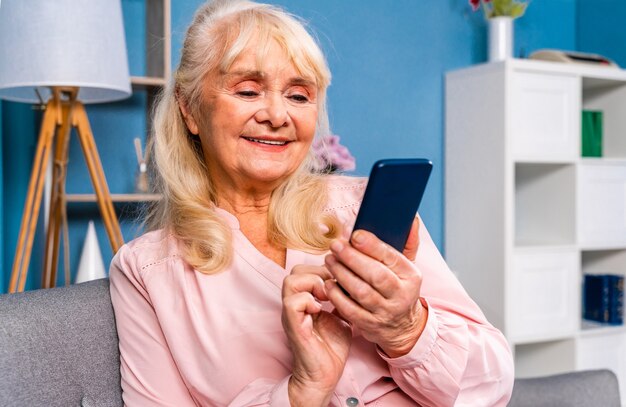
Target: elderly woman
(233, 299)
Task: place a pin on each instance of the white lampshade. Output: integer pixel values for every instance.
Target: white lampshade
(47, 43)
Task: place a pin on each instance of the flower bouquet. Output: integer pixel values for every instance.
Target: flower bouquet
(331, 156)
(500, 8)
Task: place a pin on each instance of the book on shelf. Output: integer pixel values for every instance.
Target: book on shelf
(603, 299)
(616, 299)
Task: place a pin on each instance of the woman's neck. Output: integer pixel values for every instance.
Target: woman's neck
(252, 213)
(244, 205)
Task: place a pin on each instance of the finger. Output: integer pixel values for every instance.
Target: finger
(413, 241)
(367, 243)
(369, 269)
(297, 318)
(301, 303)
(353, 286)
(307, 283)
(320, 271)
(346, 307)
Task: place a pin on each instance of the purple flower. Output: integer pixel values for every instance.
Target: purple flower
(332, 156)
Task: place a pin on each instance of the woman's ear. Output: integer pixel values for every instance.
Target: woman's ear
(192, 126)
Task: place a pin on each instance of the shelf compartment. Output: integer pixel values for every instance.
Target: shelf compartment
(604, 261)
(545, 209)
(602, 205)
(610, 99)
(544, 291)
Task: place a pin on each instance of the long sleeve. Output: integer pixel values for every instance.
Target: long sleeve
(150, 376)
(460, 359)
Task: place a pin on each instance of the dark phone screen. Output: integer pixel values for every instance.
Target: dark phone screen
(392, 197)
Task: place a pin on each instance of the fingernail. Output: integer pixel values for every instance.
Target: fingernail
(336, 246)
(358, 237)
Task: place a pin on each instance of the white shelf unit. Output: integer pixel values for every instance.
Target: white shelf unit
(526, 216)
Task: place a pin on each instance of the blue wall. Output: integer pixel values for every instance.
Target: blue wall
(19, 136)
(388, 61)
(601, 28)
(547, 24)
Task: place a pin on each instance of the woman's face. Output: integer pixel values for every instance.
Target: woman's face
(257, 122)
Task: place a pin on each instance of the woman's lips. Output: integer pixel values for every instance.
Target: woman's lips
(268, 142)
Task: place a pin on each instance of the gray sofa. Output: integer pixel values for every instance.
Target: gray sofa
(58, 347)
(589, 388)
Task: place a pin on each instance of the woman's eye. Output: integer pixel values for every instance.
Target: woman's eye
(299, 98)
(247, 93)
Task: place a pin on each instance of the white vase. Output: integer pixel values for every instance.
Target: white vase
(500, 38)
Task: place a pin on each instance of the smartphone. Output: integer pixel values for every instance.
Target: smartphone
(392, 196)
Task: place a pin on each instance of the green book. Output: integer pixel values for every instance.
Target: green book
(591, 133)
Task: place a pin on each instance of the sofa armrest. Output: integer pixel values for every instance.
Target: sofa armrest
(59, 347)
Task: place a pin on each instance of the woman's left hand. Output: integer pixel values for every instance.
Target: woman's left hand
(384, 289)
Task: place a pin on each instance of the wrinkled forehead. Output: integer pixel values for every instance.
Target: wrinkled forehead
(259, 38)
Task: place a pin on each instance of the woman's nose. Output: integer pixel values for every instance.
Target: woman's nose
(274, 111)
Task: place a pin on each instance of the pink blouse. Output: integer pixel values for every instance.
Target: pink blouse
(191, 339)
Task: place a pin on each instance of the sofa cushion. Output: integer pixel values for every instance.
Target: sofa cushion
(59, 347)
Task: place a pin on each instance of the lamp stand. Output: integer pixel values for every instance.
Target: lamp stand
(62, 113)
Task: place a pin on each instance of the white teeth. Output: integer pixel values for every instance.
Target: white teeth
(271, 142)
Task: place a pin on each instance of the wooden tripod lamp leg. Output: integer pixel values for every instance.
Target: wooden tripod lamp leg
(98, 180)
(33, 197)
(57, 200)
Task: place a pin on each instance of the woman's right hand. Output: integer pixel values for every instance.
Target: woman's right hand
(319, 340)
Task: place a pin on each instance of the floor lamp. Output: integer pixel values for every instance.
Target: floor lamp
(61, 54)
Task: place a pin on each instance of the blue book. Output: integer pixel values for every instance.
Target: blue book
(616, 299)
(596, 298)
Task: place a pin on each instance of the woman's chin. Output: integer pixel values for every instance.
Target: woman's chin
(268, 170)
(270, 175)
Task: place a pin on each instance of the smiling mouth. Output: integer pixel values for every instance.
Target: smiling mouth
(268, 142)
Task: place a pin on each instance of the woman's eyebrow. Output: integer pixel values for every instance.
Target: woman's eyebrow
(256, 74)
(299, 80)
(252, 74)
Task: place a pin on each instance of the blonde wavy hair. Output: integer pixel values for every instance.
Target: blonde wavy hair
(219, 33)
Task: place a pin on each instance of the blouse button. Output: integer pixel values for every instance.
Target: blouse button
(352, 402)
